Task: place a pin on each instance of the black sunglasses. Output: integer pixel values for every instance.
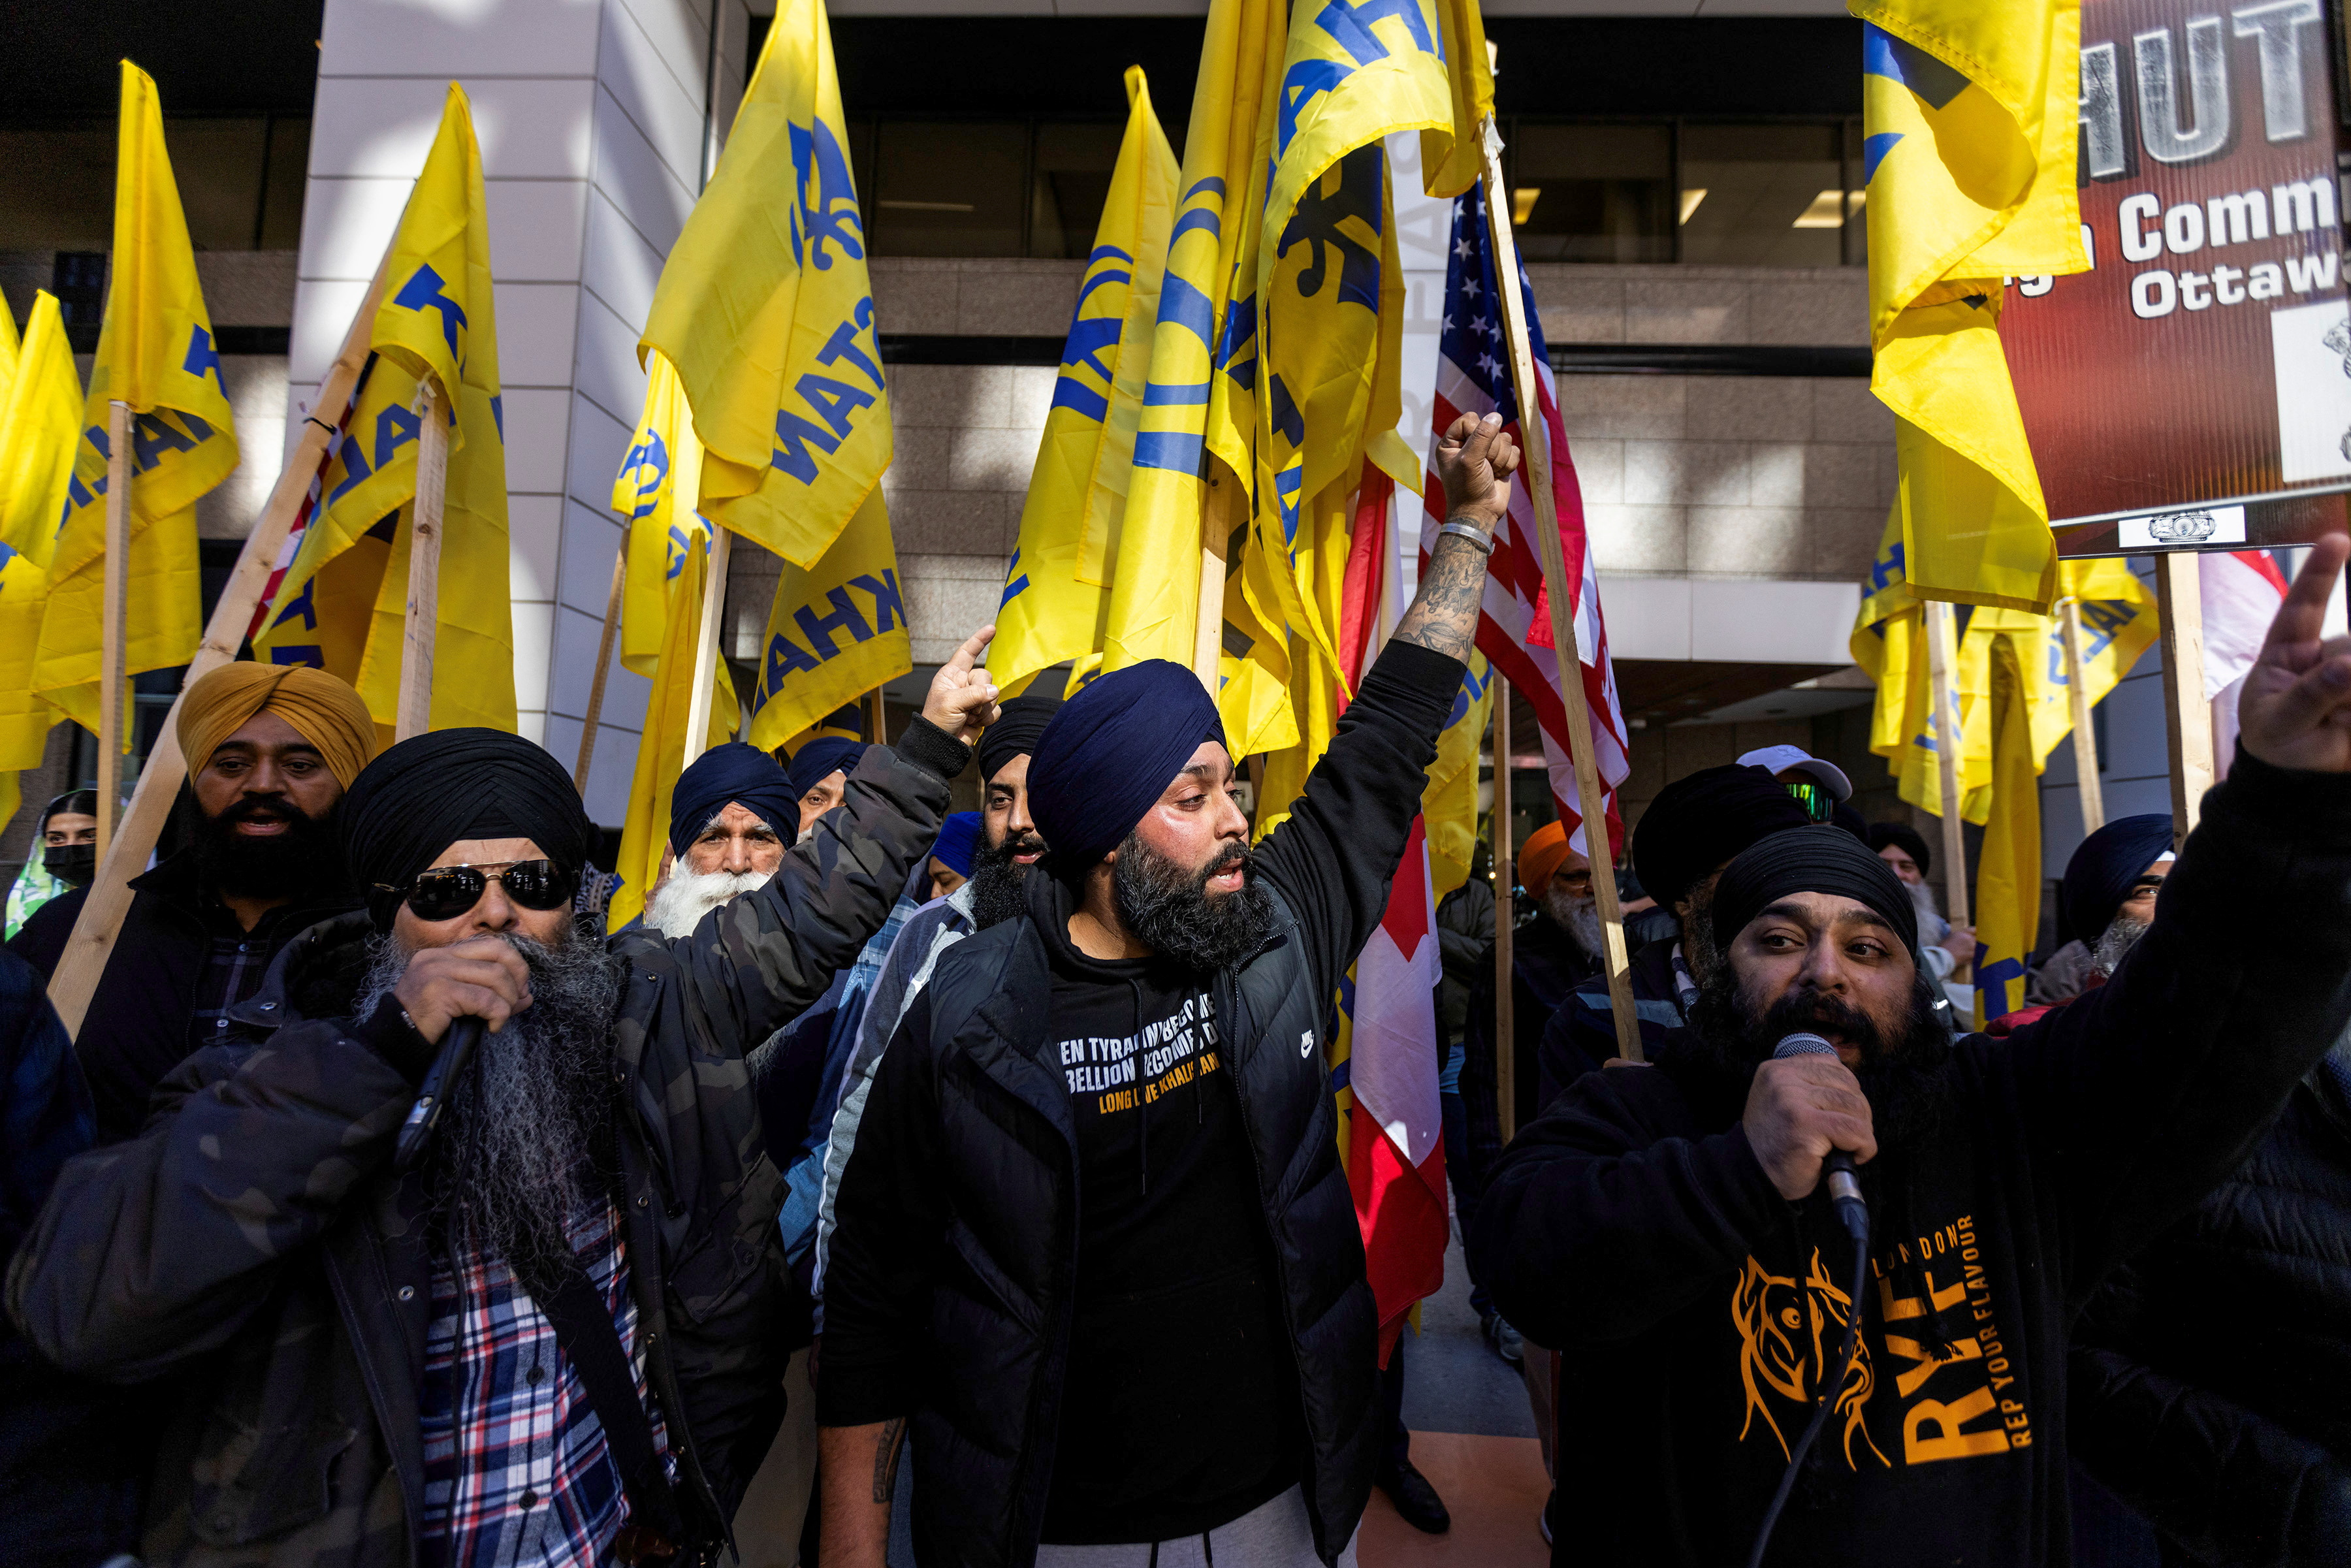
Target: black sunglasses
(446, 892)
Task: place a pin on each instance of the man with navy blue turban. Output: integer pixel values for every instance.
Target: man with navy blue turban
(1093, 1246)
(733, 812)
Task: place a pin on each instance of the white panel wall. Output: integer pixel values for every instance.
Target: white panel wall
(591, 115)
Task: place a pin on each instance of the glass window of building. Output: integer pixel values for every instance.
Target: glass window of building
(1764, 196)
(949, 187)
(1594, 193)
(1069, 186)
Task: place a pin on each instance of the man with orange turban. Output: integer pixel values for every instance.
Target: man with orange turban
(270, 749)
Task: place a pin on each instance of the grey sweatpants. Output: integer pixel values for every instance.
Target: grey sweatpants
(1273, 1535)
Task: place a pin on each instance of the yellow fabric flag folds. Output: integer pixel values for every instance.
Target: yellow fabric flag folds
(40, 412)
(654, 493)
(833, 631)
(1969, 116)
(2014, 707)
(155, 353)
(342, 603)
(1155, 590)
(661, 749)
(765, 311)
(1057, 589)
(1448, 805)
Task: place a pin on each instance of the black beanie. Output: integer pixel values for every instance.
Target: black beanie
(1698, 822)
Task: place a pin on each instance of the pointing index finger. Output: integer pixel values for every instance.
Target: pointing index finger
(2301, 619)
(968, 654)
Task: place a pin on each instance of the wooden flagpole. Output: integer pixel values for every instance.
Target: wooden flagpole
(2187, 715)
(1946, 756)
(877, 717)
(705, 644)
(1506, 1034)
(422, 625)
(1591, 800)
(114, 603)
(2086, 740)
(1216, 529)
(79, 966)
(603, 666)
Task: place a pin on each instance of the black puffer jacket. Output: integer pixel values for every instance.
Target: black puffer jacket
(253, 1239)
(2211, 1377)
(950, 1283)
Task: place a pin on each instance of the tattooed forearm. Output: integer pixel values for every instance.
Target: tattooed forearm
(1444, 613)
(885, 1458)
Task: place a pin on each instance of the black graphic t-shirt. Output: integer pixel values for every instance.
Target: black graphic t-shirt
(1179, 1412)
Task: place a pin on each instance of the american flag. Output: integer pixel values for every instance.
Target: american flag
(1473, 377)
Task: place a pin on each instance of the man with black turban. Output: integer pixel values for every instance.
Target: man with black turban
(1669, 1229)
(1094, 1249)
(560, 1335)
(1684, 839)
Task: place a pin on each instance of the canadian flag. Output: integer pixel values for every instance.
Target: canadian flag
(1396, 1136)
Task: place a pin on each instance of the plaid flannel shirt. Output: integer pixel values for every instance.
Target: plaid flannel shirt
(516, 1466)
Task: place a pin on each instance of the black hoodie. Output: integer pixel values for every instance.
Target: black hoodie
(1632, 1228)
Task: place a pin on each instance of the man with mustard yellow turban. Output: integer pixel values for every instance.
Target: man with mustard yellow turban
(270, 749)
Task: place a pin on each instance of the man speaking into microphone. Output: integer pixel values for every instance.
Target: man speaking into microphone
(1669, 1230)
(557, 1338)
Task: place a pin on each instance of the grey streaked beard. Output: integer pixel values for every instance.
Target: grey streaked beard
(1579, 917)
(2121, 935)
(514, 1157)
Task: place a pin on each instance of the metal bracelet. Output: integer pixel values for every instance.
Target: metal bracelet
(1477, 535)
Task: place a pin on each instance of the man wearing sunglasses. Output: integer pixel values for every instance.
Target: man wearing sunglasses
(1820, 787)
(558, 1335)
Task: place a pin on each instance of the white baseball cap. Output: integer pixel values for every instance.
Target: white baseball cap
(1778, 759)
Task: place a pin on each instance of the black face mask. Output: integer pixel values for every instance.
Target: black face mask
(74, 864)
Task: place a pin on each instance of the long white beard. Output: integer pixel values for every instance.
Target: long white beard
(1579, 917)
(678, 905)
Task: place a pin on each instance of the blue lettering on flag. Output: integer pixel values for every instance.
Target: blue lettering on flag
(1307, 81)
(309, 654)
(1285, 417)
(1884, 54)
(1173, 450)
(153, 435)
(1888, 568)
(796, 435)
(826, 211)
(784, 656)
(842, 345)
(1316, 223)
(1015, 580)
(1206, 218)
(834, 402)
(355, 468)
(204, 360)
(498, 412)
(1350, 27)
(1993, 981)
(1158, 396)
(647, 464)
(1089, 340)
(395, 427)
(1873, 150)
(423, 292)
(1184, 306)
(818, 629)
(1073, 393)
(889, 610)
(302, 605)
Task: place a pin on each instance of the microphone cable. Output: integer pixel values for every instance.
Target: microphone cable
(1846, 1354)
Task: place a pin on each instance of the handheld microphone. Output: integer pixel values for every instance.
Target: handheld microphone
(1845, 1187)
(416, 1133)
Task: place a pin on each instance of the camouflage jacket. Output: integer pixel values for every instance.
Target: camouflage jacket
(253, 1240)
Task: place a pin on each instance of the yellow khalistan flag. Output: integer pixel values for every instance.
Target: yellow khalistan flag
(1969, 116)
(834, 631)
(654, 491)
(2013, 707)
(1155, 590)
(155, 353)
(343, 601)
(1448, 805)
(765, 311)
(1327, 282)
(40, 409)
(661, 749)
(1057, 588)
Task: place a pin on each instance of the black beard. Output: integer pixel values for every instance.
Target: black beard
(307, 857)
(1906, 1078)
(996, 879)
(1170, 910)
(1699, 951)
(525, 1137)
